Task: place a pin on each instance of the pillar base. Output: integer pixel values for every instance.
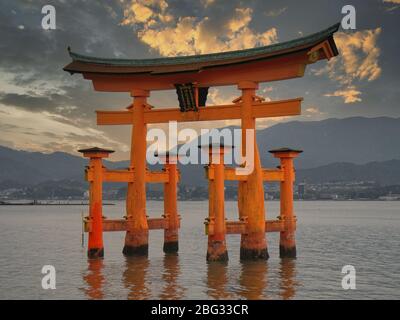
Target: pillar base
(171, 244)
(216, 251)
(171, 247)
(95, 253)
(253, 247)
(136, 243)
(253, 254)
(287, 252)
(142, 250)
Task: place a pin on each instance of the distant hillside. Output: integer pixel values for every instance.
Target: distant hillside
(330, 146)
(35, 167)
(384, 173)
(356, 140)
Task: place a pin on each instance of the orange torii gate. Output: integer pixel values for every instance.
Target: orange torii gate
(191, 76)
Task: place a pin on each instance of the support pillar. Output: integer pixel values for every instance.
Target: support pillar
(253, 245)
(287, 244)
(171, 234)
(216, 249)
(95, 243)
(136, 239)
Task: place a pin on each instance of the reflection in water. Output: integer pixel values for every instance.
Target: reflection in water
(253, 280)
(171, 289)
(95, 279)
(217, 279)
(134, 278)
(288, 282)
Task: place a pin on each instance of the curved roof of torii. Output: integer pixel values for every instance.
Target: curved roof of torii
(91, 66)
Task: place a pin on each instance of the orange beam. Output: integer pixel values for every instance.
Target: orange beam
(223, 112)
(118, 176)
(232, 227)
(230, 174)
(114, 117)
(157, 177)
(273, 175)
(235, 227)
(122, 224)
(240, 227)
(129, 176)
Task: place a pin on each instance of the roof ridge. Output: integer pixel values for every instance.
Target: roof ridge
(309, 39)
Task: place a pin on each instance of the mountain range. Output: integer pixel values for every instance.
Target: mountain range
(354, 148)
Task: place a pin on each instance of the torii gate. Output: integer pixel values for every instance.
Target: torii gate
(191, 76)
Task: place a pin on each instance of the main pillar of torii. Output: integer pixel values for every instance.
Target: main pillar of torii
(137, 234)
(253, 245)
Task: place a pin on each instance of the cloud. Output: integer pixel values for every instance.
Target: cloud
(145, 11)
(35, 130)
(396, 4)
(358, 61)
(275, 13)
(313, 110)
(207, 3)
(349, 95)
(35, 103)
(358, 57)
(241, 19)
(186, 35)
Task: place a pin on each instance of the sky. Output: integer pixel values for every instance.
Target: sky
(43, 108)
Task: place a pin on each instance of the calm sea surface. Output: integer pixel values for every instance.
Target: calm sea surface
(329, 236)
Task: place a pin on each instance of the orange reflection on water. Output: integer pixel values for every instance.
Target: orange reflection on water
(253, 280)
(171, 288)
(217, 279)
(288, 281)
(94, 279)
(134, 278)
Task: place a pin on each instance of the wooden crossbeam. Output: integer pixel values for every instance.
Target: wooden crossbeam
(232, 227)
(280, 108)
(110, 225)
(239, 227)
(235, 227)
(129, 176)
(118, 176)
(273, 175)
(231, 175)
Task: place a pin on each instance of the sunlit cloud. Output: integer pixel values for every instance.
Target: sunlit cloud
(144, 11)
(394, 4)
(276, 13)
(174, 36)
(207, 3)
(313, 110)
(358, 60)
(349, 95)
(44, 131)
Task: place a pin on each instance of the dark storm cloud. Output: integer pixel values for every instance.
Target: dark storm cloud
(87, 26)
(28, 102)
(35, 55)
